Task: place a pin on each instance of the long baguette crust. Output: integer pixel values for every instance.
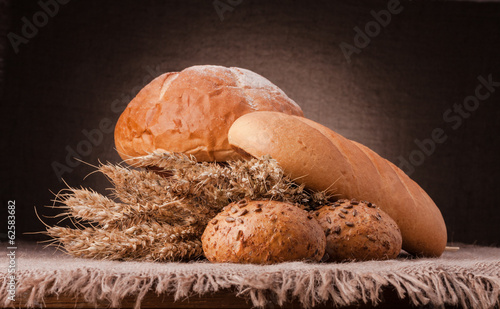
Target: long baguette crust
(324, 160)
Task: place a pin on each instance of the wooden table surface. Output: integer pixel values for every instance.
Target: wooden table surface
(225, 299)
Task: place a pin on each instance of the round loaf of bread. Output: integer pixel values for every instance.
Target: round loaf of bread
(321, 159)
(191, 112)
(358, 230)
(263, 232)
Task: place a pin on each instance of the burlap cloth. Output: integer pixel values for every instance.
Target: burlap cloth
(469, 277)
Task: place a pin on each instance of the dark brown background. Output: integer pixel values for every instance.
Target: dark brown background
(95, 55)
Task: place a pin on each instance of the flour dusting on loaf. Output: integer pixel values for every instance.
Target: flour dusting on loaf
(191, 112)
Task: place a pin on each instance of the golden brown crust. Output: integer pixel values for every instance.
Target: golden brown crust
(191, 111)
(263, 232)
(322, 159)
(358, 230)
(301, 151)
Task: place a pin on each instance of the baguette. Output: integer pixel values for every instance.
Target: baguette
(324, 160)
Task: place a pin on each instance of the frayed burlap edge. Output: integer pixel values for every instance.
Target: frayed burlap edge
(436, 287)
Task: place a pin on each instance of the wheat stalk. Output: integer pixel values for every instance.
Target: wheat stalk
(93, 207)
(186, 250)
(217, 185)
(166, 161)
(89, 205)
(137, 186)
(161, 218)
(145, 242)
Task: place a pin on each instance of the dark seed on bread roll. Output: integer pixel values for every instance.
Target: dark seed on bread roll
(358, 230)
(263, 232)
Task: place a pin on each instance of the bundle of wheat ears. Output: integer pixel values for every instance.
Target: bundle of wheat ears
(160, 214)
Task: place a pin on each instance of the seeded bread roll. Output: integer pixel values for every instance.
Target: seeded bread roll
(358, 231)
(324, 160)
(191, 112)
(263, 232)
